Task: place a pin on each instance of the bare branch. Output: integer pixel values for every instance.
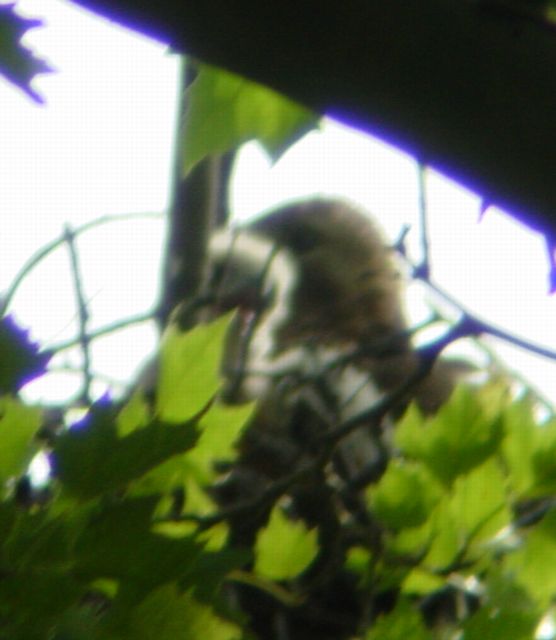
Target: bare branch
(375, 414)
(238, 374)
(47, 249)
(109, 328)
(479, 326)
(198, 204)
(425, 265)
(83, 315)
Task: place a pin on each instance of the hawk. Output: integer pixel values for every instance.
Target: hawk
(318, 338)
(317, 278)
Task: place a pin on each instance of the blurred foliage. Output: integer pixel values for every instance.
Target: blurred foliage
(297, 547)
(89, 561)
(17, 63)
(225, 110)
(110, 554)
(126, 540)
(20, 360)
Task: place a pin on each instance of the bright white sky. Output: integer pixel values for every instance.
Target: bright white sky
(103, 144)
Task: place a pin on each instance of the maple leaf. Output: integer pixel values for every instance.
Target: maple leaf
(18, 64)
(20, 360)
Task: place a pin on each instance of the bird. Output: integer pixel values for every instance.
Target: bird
(319, 337)
(318, 276)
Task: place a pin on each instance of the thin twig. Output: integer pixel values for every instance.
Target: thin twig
(78, 370)
(422, 272)
(485, 327)
(109, 328)
(48, 248)
(498, 364)
(390, 401)
(380, 349)
(270, 494)
(83, 315)
(425, 265)
(330, 439)
(246, 340)
(198, 203)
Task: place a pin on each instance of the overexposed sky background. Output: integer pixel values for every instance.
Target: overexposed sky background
(103, 145)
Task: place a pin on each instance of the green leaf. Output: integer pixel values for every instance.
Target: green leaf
(33, 601)
(38, 540)
(225, 110)
(189, 374)
(284, 548)
(402, 623)
(212, 568)
(167, 614)
(221, 428)
(533, 564)
(543, 460)
(135, 414)
(529, 451)
(520, 443)
(479, 502)
(507, 611)
(462, 435)
(17, 63)
(38, 584)
(497, 623)
(20, 360)
(18, 426)
(422, 582)
(117, 542)
(358, 559)
(471, 515)
(445, 539)
(196, 470)
(413, 541)
(8, 517)
(405, 495)
(91, 458)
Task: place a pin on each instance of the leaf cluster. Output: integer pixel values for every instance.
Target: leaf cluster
(17, 63)
(468, 512)
(455, 538)
(126, 541)
(96, 553)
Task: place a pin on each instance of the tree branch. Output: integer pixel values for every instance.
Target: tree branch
(107, 329)
(48, 248)
(479, 326)
(83, 315)
(198, 204)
